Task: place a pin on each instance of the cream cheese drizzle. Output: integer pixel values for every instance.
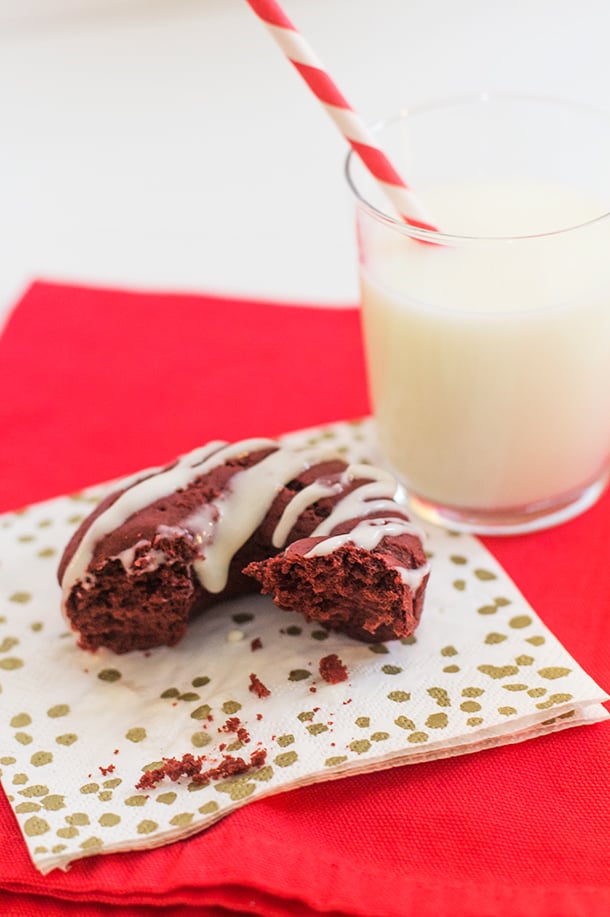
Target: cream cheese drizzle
(372, 497)
(226, 523)
(223, 525)
(413, 578)
(148, 561)
(140, 495)
(299, 503)
(367, 534)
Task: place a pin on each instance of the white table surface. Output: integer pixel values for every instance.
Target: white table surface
(168, 144)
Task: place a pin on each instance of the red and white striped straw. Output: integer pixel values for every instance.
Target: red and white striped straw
(302, 56)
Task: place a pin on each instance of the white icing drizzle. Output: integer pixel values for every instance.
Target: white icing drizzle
(226, 523)
(413, 578)
(127, 556)
(141, 494)
(373, 497)
(299, 503)
(360, 502)
(146, 562)
(223, 525)
(367, 534)
(361, 471)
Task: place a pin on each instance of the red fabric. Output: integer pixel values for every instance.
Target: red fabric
(98, 383)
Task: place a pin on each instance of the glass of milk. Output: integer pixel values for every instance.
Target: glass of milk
(488, 344)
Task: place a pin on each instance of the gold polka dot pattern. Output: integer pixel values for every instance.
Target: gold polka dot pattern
(481, 670)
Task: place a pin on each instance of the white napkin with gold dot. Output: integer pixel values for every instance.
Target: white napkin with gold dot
(79, 730)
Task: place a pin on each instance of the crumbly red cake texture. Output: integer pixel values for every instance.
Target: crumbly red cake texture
(192, 766)
(141, 589)
(144, 606)
(257, 687)
(332, 670)
(234, 725)
(352, 590)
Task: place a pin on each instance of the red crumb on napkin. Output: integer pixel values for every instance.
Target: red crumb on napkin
(192, 766)
(234, 724)
(107, 770)
(257, 687)
(230, 766)
(332, 669)
(256, 644)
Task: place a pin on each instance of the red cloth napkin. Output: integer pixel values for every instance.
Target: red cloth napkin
(97, 383)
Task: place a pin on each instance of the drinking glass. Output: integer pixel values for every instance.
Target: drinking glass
(488, 342)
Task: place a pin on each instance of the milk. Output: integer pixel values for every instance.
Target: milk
(489, 361)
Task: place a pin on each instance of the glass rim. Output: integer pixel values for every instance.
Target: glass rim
(483, 97)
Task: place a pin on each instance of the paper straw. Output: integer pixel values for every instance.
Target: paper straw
(302, 56)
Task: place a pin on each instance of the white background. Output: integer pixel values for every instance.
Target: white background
(168, 144)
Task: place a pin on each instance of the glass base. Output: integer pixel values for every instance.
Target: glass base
(507, 521)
